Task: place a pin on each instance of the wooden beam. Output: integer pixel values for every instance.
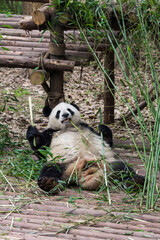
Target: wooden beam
(20, 33)
(26, 62)
(35, 43)
(80, 58)
(57, 51)
(4, 24)
(27, 24)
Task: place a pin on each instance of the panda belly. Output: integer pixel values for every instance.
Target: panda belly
(65, 145)
(72, 145)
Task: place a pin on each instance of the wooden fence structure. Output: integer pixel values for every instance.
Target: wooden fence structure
(52, 53)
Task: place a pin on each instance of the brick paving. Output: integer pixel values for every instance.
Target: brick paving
(76, 214)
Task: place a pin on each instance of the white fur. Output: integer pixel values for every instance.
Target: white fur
(73, 142)
(57, 124)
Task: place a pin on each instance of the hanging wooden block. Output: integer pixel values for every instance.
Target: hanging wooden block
(37, 77)
(42, 14)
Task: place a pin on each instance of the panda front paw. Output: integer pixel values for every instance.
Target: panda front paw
(107, 134)
(31, 133)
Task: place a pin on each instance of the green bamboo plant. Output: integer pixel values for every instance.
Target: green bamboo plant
(141, 33)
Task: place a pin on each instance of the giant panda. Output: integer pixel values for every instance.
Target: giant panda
(80, 154)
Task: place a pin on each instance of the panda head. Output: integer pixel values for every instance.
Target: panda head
(63, 115)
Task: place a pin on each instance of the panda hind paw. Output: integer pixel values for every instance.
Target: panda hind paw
(47, 183)
(136, 182)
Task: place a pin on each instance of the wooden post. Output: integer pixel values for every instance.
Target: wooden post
(108, 87)
(57, 51)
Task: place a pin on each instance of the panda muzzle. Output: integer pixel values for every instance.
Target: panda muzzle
(67, 120)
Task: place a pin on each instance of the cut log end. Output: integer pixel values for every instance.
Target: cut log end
(38, 77)
(38, 17)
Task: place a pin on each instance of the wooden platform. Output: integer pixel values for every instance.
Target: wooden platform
(15, 42)
(19, 48)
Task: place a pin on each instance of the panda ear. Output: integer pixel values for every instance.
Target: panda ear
(74, 105)
(47, 111)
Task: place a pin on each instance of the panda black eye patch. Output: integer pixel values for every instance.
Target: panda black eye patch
(57, 114)
(71, 112)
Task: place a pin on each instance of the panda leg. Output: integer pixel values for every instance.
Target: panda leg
(52, 174)
(89, 175)
(91, 179)
(77, 173)
(73, 171)
(85, 172)
(125, 174)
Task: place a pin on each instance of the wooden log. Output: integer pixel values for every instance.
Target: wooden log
(20, 53)
(26, 49)
(80, 58)
(24, 44)
(9, 24)
(21, 33)
(45, 87)
(23, 39)
(45, 44)
(140, 106)
(57, 51)
(37, 77)
(13, 15)
(75, 35)
(42, 14)
(10, 19)
(26, 62)
(28, 24)
(83, 47)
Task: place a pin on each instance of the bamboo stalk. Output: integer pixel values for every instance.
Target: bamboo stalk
(30, 110)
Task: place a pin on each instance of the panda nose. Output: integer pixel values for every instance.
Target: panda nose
(65, 115)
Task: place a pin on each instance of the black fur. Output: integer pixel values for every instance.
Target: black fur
(57, 114)
(74, 105)
(125, 174)
(50, 176)
(71, 112)
(47, 111)
(107, 134)
(39, 140)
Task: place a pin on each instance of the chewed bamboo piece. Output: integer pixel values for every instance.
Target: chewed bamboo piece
(30, 109)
